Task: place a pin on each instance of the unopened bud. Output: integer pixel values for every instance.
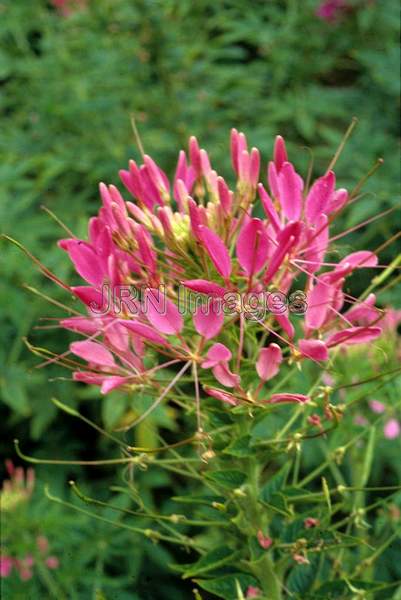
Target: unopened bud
(339, 454)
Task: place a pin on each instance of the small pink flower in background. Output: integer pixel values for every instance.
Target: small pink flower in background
(328, 379)
(314, 420)
(361, 420)
(392, 429)
(376, 406)
(25, 574)
(264, 541)
(301, 559)
(18, 488)
(66, 7)
(311, 522)
(6, 565)
(52, 562)
(28, 561)
(253, 592)
(330, 10)
(42, 543)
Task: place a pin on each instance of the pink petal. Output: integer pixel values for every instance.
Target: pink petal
(362, 258)
(217, 353)
(272, 178)
(82, 325)
(88, 377)
(158, 177)
(221, 395)
(354, 335)
(376, 406)
(285, 398)
(319, 196)
(93, 352)
(225, 196)
(254, 167)
(111, 383)
(293, 229)
(269, 209)
(132, 181)
(364, 312)
(285, 324)
(224, 376)
(314, 349)
(146, 253)
(205, 287)
(195, 218)
(144, 331)
(205, 163)
(277, 259)
(264, 541)
(194, 155)
(184, 173)
(319, 300)
(280, 152)
(317, 246)
(392, 429)
(86, 262)
(269, 360)
(216, 250)
(162, 312)
(252, 246)
(93, 299)
(338, 199)
(208, 320)
(290, 192)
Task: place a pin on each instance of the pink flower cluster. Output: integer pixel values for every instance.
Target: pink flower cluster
(331, 10)
(24, 566)
(16, 490)
(201, 233)
(66, 7)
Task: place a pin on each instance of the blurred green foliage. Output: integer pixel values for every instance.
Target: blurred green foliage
(68, 86)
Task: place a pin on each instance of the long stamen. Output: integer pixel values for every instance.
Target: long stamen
(340, 148)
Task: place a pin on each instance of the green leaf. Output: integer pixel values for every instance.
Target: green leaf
(278, 504)
(214, 559)
(276, 483)
(113, 408)
(332, 590)
(14, 392)
(240, 447)
(228, 478)
(302, 577)
(226, 587)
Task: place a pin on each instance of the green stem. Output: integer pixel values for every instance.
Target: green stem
(263, 569)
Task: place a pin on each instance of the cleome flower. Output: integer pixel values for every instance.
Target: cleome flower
(194, 270)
